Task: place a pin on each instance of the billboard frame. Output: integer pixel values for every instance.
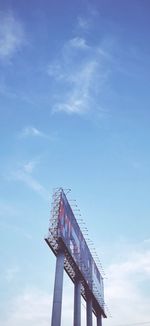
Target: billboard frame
(57, 243)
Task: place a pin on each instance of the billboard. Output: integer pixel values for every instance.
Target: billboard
(71, 234)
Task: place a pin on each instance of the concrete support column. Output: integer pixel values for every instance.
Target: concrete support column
(99, 320)
(89, 311)
(58, 288)
(77, 303)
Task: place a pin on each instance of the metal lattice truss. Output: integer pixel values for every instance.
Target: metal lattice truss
(70, 266)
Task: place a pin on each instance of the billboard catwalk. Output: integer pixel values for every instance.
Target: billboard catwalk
(67, 242)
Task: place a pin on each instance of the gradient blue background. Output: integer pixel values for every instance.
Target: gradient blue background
(74, 103)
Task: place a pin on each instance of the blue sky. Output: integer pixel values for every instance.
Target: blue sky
(74, 103)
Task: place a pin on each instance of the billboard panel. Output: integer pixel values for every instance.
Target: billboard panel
(69, 231)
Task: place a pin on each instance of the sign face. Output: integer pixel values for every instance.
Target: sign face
(69, 231)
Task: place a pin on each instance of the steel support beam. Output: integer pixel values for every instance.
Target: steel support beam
(77, 303)
(89, 311)
(99, 320)
(58, 288)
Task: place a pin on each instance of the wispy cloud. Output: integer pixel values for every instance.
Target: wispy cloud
(82, 23)
(31, 131)
(78, 100)
(87, 21)
(79, 92)
(13, 227)
(79, 43)
(29, 166)
(24, 174)
(12, 35)
(31, 182)
(80, 74)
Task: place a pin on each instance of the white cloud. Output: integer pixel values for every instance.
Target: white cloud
(34, 307)
(29, 308)
(30, 181)
(29, 166)
(24, 175)
(78, 100)
(83, 79)
(125, 293)
(126, 288)
(32, 131)
(86, 22)
(82, 23)
(55, 70)
(79, 74)
(11, 35)
(78, 42)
